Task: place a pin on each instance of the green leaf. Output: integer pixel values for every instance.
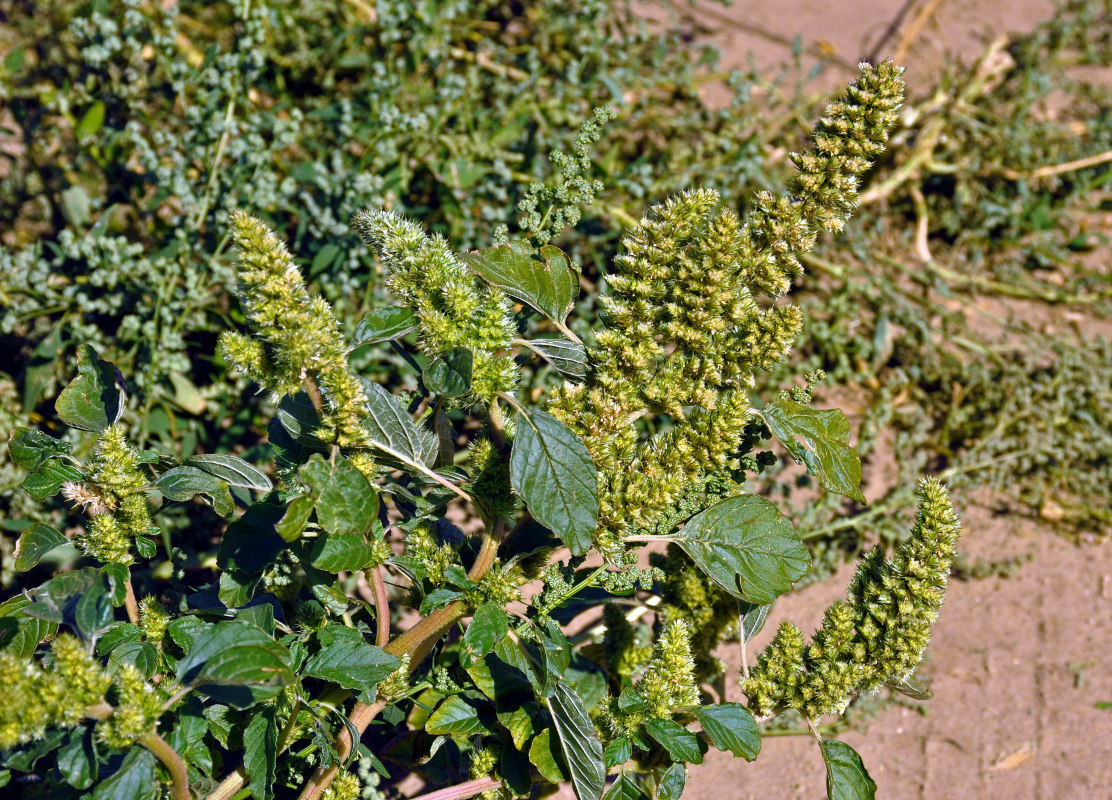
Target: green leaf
(236, 663)
(347, 503)
(233, 471)
(458, 716)
(251, 543)
(324, 258)
(546, 755)
(91, 121)
(135, 779)
(352, 664)
(519, 723)
(77, 758)
(438, 598)
(752, 618)
(140, 655)
(260, 752)
(30, 449)
(746, 546)
(391, 429)
(487, 628)
(625, 788)
(36, 542)
(300, 420)
(449, 374)
(20, 633)
(672, 782)
(331, 596)
(183, 483)
(553, 473)
(581, 747)
(820, 441)
(335, 552)
(545, 281)
(681, 744)
(567, 357)
(731, 728)
(618, 752)
(48, 479)
(383, 325)
(92, 401)
(296, 517)
(93, 611)
(846, 776)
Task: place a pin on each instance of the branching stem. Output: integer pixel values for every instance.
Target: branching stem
(179, 775)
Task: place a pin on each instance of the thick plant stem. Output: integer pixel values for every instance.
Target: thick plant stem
(361, 717)
(462, 791)
(131, 603)
(179, 775)
(382, 607)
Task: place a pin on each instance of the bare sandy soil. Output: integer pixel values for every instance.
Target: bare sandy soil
(1019, 666)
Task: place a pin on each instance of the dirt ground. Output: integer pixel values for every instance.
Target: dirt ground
(1019, 666)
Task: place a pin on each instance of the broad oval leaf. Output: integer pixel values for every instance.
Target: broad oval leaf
(731, 728)
(820, 441)
(36, 542)
(352, 664)
(458, 716)
(346, 503)
(567, 357)
(544, 280)
(581, 747)
(681, 744)
(382, 325)
(393, 431)
(552, 471)
(30, 449)
(449, 374)
(846, 776)
(545, 754)
(746, 546)
(233, 471)
(300, 420)
(671, 783)
(235, 663)
(260, 752)
(487, 628)
(625, 788)
(334, 552)
(184, 483)
(48, 479)
(77, 758)
(135, 779)
(92, 401)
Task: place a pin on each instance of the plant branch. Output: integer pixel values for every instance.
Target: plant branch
(462, 791)
(179, 775)
(130, 602)
(382, 607)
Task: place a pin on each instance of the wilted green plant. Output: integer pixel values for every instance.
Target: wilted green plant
(262, 680)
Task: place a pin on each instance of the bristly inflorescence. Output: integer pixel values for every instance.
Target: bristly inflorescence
(877, 636)
(453, 308)
(297, 334)
(684, 332)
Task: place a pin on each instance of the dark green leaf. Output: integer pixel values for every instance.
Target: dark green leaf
(352, 665)
(746, 546)
(251, 543)
(383, 325)
(553, 473)
(260, 752)
(93, 611)
(449, 373)
(300, 420)
(487, 628)
(731, 728)
(672, 783)
(505, 676)
(183, 483)
(567, 357)
(235, 663)
(48, 479)
(336, 552)
(681, 744)
(547, 756)
(391, 429)
(846, 776)
(625, 788)
(581, 747)
(91, 121)
(515, 771)
(545, 280)
(140, 655)
(752, 618)
(23, 757)
(233, 471)
(21, 633)
(458, 716)
(30, 449)
(346, 503)
(324, 258)
(135, 779)
(438, 598)
(36, 542)
(618, 752)
(92, 401)
(119, 634)
(331, 596)
(820, 441)
(296, 517)
(77, 758)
